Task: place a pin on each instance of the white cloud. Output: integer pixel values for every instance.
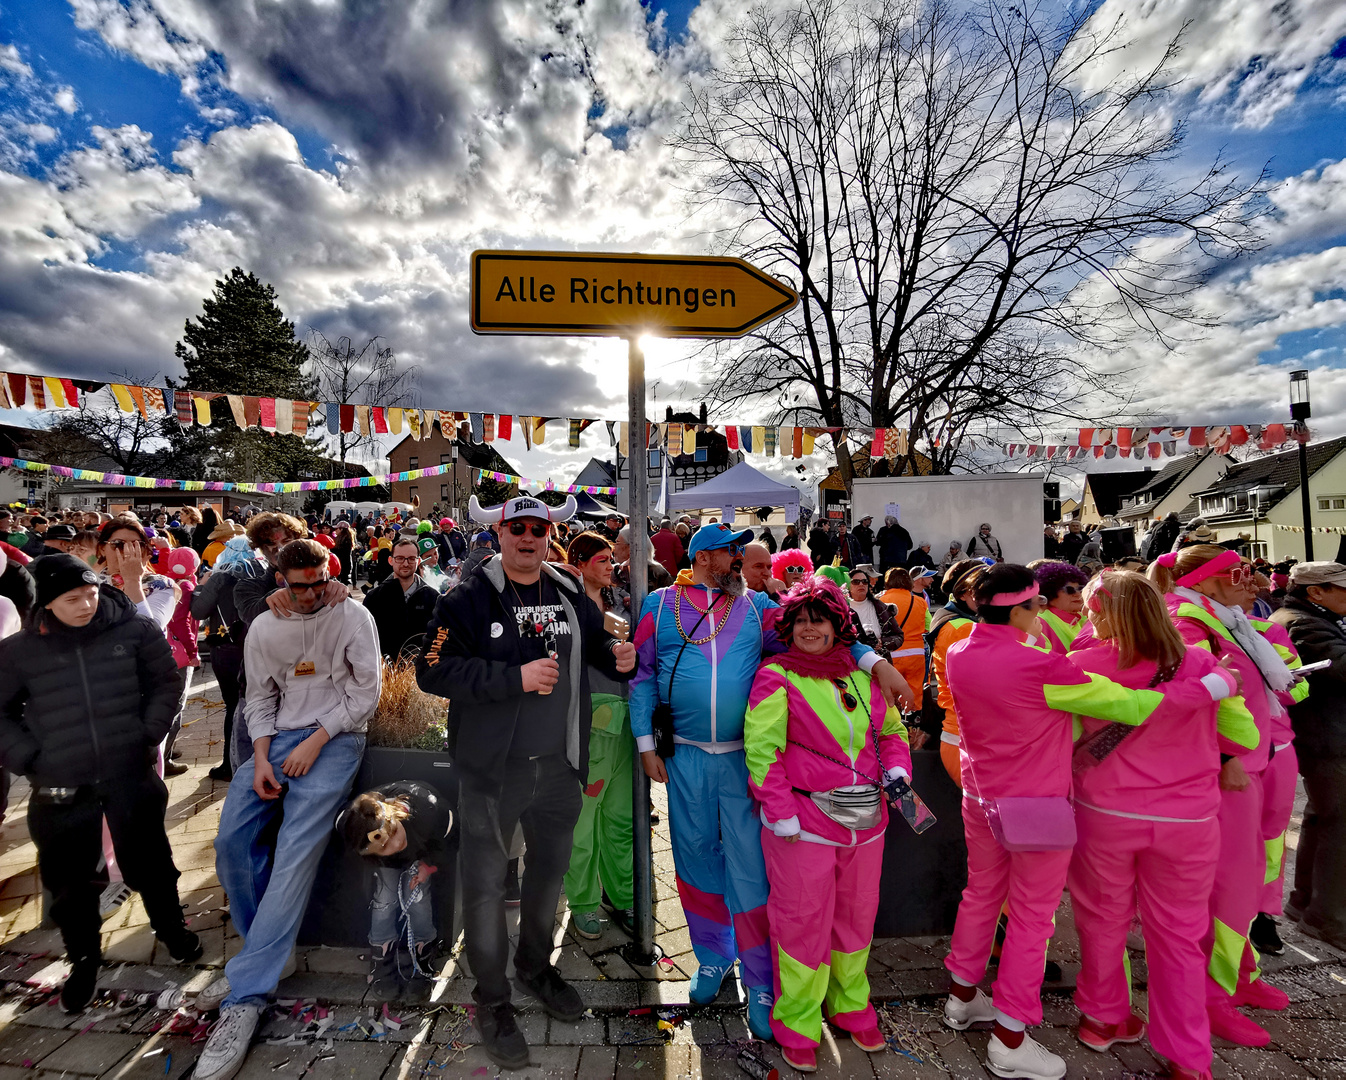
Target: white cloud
(12, 62)
(65, 99)
(1251, 58)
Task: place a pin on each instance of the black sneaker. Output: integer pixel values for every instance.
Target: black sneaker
(557, 996)
(512, 895)
(79, 988)
(222, 773)
(1265, 937)
(183, 946)
(385, 981)
(500, 1036)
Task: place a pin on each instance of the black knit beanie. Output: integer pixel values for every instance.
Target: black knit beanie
(57, 574)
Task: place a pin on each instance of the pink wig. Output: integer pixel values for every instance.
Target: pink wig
(793, 557)
(822, 597)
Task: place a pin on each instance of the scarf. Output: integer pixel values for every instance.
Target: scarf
(837, 663)
(1276, 677)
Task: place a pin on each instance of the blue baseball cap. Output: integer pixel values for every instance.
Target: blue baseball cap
(714, 537)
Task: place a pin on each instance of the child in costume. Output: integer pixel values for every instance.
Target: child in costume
(1147, 811)
(1203, 586)
(818, 726)
(1015, 703)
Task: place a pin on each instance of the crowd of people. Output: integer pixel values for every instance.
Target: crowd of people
(1131, 731)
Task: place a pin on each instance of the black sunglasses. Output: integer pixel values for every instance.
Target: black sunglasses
(1070, 590)
(518, 528)
(847, 698)
(305, 586)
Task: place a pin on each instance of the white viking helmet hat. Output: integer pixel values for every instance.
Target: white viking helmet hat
(523, 506)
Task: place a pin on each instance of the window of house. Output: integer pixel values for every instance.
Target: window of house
(444, 459)
(413, 462)
(701, 452)
(443, 492)
(1332, 502)
(654, 459)
(1257, 550)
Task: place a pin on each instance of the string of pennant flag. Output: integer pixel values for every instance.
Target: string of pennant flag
(1153, 442)
(122, 480)
(298, 417)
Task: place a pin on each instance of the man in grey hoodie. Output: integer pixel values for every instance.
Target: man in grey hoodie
(313, 682)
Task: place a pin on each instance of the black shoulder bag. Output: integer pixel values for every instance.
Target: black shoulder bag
(661, 722)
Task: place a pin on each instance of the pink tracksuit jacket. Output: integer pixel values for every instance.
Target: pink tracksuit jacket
(1016, 703)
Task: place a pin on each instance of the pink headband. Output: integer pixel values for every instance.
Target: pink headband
(1009, 599)
(1223, 561)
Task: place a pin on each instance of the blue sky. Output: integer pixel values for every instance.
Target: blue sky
(360, 196)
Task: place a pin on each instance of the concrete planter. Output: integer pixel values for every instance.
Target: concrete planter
(924, 876)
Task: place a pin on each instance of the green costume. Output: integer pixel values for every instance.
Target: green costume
(601, 856)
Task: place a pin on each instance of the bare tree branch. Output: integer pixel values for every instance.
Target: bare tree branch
(958, 209)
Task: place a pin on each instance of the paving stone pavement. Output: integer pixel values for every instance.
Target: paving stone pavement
(129, 1036)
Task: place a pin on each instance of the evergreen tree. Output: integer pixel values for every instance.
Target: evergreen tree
(243, 344)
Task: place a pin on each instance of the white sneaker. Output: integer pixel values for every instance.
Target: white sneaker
(228, 1044)
(212, 997)
(961, 1015)
(112, 897)
(1030, 1060)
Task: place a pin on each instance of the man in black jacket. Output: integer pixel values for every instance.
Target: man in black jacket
(87, 691)
(403, 603)
(1314, 615)
(510, 648)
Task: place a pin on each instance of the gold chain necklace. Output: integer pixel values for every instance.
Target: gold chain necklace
(677, 619)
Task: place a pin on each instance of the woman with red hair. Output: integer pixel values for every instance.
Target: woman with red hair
(821, 743)
(791, 566)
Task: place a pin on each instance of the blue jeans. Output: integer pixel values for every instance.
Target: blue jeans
(267, 900)
(386, 919)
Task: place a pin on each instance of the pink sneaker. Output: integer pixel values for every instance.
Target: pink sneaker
(1101, 1037)
(871, 1041)
(1259, 994)
(1228, 1023)
(800, 1060)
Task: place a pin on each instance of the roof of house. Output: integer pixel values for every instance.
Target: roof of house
(1276, 470)
(606, 468)
(1162, 483)
(1109, 488)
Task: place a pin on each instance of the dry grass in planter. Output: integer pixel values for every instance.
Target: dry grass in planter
(407, 716)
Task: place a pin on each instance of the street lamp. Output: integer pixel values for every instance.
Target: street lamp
(1299, 412)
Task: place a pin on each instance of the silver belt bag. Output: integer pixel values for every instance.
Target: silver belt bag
(855, 806)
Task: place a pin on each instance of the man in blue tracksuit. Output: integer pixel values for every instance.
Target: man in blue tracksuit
(715, 635)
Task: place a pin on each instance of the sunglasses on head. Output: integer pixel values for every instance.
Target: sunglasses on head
(847, 698)
(539, 528)
(307, 586)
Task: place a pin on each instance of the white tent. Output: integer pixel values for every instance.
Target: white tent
(741, 486)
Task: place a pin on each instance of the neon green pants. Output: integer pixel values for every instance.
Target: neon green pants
(601, 856)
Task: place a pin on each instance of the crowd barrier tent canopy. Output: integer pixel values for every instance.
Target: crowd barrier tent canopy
(740, 486)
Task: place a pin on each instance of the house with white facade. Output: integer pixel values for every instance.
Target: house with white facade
(1253, 498)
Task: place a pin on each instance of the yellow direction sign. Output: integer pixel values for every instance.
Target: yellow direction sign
(552, 292)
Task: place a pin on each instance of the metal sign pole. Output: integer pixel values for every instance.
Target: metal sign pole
(642, 952)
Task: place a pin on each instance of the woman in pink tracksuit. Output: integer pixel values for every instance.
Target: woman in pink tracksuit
(816, 723)
(1147, 815)
(1015, 703)
(1203, 587)
(1278, 780)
